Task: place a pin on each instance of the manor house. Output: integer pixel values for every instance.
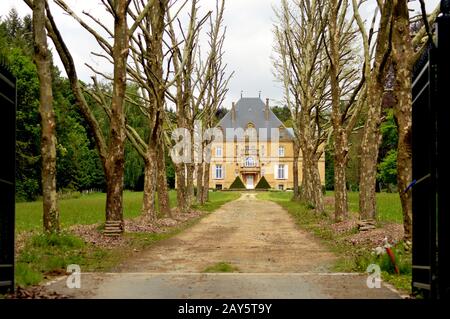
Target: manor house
(269, 155)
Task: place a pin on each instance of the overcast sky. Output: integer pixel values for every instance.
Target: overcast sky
(248, 43)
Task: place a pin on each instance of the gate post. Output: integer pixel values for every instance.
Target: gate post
(442, 154)
(7, 178)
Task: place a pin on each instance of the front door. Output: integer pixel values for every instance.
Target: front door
(250, 182)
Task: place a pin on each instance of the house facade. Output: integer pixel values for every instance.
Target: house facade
(255, 143)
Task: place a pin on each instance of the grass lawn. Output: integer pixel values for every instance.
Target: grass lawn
(47, 255)
(388, 204)
(352, 258)
(90, 209)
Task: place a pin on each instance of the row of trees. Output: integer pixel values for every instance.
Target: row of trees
(337, 71)
(78, 166)
(157, 65)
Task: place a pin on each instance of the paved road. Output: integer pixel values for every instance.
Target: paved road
(275, 259)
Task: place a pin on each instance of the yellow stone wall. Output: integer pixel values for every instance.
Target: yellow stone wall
(232, 165)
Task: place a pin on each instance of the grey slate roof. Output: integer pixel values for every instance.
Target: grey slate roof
(252, 110)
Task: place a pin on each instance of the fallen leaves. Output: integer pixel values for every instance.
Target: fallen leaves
(375, 237)
(35, 292)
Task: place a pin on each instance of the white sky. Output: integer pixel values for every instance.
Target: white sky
(248, 43)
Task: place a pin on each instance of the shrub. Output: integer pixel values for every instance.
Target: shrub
(237, 184)
(263, 184)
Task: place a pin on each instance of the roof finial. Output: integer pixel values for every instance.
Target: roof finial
(259, 93)
(241, 93)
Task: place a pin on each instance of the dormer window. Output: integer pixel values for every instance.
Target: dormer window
(249, 162)
(218, 151)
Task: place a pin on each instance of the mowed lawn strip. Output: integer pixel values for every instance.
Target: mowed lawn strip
(90, 209)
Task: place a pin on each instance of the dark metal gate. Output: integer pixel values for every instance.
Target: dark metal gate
(7, 177)
(431, 167)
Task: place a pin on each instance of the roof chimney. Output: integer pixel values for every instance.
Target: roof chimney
(266, 111)
(233, 112)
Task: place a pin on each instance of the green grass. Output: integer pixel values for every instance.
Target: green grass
(221, 267)
(90, 209)
(389, 208)
(49, 254)
(46, 255)
(87, 209)
(352, 258)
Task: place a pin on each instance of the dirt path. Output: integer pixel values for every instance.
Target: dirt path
(274, 257)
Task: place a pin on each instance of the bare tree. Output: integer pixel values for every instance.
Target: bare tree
(346, 84)
(375, 71)
(215, 84)
(392, 48)
(147, 71)
(303, 68)
(190, 89)
(406, 49)
(43, 62)
(110, 148)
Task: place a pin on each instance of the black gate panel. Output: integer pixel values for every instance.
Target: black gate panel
(423, 193)
(7, 178)
(443, 158)
(431, 167)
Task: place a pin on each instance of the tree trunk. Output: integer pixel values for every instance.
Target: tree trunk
(48, 135)
(306, 190)
(316, 186)
(205, 192)
(401, 59)
(339, 127)
(311, 191)
(371, 138)
(295, 170)
(340, 180)
(199, 183)
(148, 203)
(116, 148)
(182, 203)
(163, 192)
(369, 154)
(190, 183)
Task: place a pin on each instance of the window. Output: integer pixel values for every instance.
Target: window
(280, 171)
(219, 187)
(249, 162)
(281, 187)
(218, 151)
(281, 151)
(219, 172)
